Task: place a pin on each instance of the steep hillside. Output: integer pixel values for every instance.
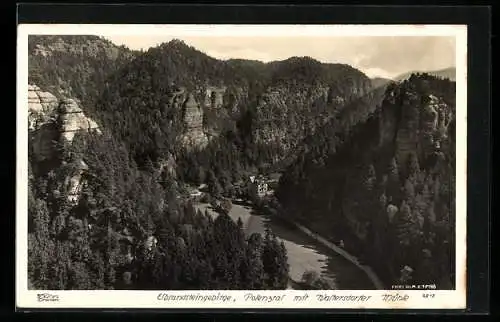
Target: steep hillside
(257, 111)
(141, 98)
(74, 66)
(115, 134)
(302, 96)
(385, 185)
(97, 222)
(96, 219)
(53, 124)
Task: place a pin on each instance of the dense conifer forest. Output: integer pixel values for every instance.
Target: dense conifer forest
(323, 126)
(350, 186)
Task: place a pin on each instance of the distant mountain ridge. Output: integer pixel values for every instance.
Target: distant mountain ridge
(449, 73)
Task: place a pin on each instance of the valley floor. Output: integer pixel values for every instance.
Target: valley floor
(304, 253)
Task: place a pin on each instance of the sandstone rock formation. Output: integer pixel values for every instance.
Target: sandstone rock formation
(75, 182)
(72, 120)
(53, 122)
(46, 111)
(214, 96)
(42, 107)
(42, 119)
(392, 210)
(194, 135)
(415, 125)
(150, 243)
(284, 115)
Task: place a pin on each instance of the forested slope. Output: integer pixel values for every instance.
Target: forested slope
(74, 66)
(385, 185)
(99, 221)
(112, 149)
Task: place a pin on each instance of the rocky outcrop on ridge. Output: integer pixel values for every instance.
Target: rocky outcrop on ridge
(89, 46)
(73, 119)
(74, 183)
(44, 108)
(415, 126)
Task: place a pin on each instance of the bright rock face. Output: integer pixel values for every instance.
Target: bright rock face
(42, 122)
(90, 48)
(74, 183)
(214, 97)
(73, 120)
(150, 243)
(47, 114)
(51, 122)
(194, 134)
(42, 106)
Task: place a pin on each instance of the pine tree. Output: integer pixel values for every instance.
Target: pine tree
(252, 268)
(422, 204)
(413, 168)
(368, 194)
(60, 262)
(409, 192)
(407, 227)
(393, 182)
(370, 178)
(275, 262)
(239, 223)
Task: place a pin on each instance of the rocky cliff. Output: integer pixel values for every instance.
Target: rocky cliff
(42, 107)
(286, 115)
(194, 135)
(53, 123)
(214, 96)
(72, 119)
(415, 124)
(285, 98)
(52, 120)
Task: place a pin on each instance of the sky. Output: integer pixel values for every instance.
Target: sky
(376, 56)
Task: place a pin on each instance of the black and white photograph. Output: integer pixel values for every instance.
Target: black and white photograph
(265, 161)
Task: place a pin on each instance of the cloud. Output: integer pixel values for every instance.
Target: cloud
(377, 56)
(377, 72)
(397, 55)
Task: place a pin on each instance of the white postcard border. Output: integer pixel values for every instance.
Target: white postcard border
(342, 299)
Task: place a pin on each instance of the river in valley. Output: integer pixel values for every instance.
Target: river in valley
(304, 253)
